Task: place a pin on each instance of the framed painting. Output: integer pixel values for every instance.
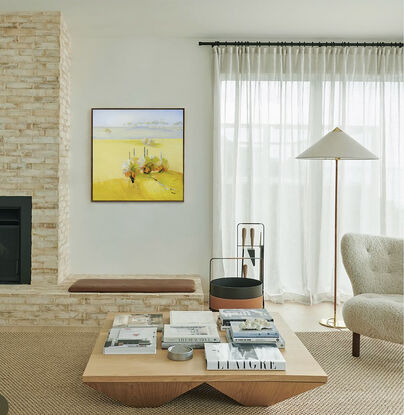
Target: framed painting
(137, 154)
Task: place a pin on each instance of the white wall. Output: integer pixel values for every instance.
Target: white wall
(142, 238)
(144, 53)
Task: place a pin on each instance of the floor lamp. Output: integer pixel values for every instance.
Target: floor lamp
(336, 145)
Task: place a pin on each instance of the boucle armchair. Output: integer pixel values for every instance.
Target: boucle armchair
(375, 267)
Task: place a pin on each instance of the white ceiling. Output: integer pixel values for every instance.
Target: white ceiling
(228, 19)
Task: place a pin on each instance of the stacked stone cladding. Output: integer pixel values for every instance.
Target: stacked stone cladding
(34, 130)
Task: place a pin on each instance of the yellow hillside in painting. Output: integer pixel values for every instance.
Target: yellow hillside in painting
(110, 182)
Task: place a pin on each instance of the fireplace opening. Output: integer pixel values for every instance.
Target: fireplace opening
(15, 239)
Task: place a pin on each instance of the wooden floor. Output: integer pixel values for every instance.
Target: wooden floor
(300, 317)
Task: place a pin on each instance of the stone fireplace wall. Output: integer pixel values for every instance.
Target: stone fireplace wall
(64, 152)
(34, 131)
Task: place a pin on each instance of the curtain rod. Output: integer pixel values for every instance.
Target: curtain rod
(320, 44)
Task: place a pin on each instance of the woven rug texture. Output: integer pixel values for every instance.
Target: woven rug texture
(40, 374)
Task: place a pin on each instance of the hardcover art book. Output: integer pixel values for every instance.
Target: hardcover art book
(138, 320)
(239, 314)
(278, 342)
(138, 340)
(191, 317)
(226, 356)
(191, 334)
(236, 331)
(166, 345)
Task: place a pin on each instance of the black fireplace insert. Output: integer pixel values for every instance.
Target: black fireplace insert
(15, 239)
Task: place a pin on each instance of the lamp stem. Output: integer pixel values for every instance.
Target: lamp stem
(335, 242)
(332, 322)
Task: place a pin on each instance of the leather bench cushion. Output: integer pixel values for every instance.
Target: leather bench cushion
(153, 285)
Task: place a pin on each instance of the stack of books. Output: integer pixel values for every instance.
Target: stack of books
(253, 342)
(190, 328)
(228, 315)
(266, 336)
(133, 334)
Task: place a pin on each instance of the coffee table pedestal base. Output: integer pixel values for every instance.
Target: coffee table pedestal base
(262, 393)
(152, 394)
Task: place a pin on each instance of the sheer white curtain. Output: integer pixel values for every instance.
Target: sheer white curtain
(270, 104)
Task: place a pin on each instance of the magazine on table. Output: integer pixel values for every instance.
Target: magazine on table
(138, 320)
(136, 340)
(202, 333)
(227, 356)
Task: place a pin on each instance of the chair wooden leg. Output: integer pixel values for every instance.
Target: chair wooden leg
(356, 344)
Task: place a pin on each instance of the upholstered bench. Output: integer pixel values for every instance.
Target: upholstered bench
(155, 285)
(60, 306)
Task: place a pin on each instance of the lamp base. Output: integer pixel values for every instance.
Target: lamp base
(329, 322)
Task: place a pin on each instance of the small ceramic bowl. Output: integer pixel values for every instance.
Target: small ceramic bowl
(180, 352)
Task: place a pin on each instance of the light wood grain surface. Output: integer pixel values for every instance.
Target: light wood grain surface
(301, 366)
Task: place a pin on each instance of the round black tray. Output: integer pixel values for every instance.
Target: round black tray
(236, 288)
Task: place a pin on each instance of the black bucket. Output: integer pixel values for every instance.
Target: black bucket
(233, 292)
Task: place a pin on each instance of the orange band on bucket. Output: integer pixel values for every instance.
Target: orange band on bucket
(217, 303)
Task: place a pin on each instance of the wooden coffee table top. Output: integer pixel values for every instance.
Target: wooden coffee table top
(300, 364)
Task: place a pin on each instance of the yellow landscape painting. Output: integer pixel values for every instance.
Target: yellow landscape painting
(137, 155)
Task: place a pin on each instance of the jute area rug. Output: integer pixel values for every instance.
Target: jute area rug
(40, 374)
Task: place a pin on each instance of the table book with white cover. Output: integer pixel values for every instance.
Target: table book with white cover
(138, 320)
(138, 340)
(242, 314)
(202, 333)
(179, 318)
(226, 356)
(267, 332)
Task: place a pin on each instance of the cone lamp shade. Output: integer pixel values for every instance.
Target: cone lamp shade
(336, 145)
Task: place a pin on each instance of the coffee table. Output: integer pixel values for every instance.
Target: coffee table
(152, 380)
